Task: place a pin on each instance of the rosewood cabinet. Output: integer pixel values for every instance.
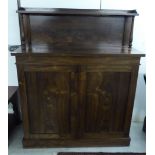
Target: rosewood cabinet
(77, 90)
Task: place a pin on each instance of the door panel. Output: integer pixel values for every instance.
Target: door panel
(83, 102)
(106, 100)
(48, 96)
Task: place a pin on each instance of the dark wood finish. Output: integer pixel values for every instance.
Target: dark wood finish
(78, 98)
(51, 98)
(76, 28)
(77, 77)
(78, 32)
(77, 12)
(32, 143)
(97, 52)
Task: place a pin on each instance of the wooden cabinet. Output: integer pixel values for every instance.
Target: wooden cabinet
(76, 88)
(77, 101)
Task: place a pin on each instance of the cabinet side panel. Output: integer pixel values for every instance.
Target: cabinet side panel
(131, 97)
(23, 99)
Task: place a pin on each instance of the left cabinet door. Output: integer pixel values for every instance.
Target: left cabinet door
(48, 91)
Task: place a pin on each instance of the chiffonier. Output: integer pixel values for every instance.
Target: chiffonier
(77, 74)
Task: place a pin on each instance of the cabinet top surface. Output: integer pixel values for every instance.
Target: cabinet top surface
(77, 51)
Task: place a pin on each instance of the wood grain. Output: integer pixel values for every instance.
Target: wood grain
(77, 76)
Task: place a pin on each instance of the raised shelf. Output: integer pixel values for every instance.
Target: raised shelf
(74, 12)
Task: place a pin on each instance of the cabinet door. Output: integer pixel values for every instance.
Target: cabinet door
(49, 91)
(106, 97)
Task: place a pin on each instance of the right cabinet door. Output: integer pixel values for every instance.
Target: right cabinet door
(106, 98)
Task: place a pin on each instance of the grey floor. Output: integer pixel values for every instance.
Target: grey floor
(138, 144)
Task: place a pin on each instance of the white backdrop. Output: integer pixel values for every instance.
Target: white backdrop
(138, 36)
